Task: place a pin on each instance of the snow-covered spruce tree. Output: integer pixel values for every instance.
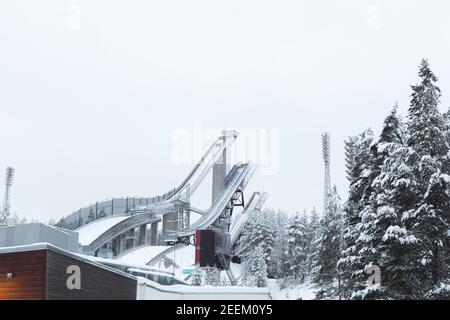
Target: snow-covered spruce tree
(3, 217)
(382, 237)
(255, 268)
(313, 236)
(446, 118)
(440, 291)
(426, 125)
(274, 223)
(279, 253)
(198, 276)
(429, 222)
(431, 226)
(404, 225)
(259, 230)
(358, 163)
(350, 146)
(211, 276)
(297, 247)
(327, 275)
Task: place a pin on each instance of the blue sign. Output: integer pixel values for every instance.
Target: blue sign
(187, 271)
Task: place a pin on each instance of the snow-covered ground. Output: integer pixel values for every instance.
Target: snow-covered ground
(93, 230)
(184, 259)
(149, 290)
(303, 292)
(142, 255)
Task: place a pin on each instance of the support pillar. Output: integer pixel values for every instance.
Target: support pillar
(123, 243)
(153, 233)
(115, 246)
(220, 170)
(142, 233)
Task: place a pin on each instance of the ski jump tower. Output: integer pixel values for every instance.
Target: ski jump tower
(326, 160)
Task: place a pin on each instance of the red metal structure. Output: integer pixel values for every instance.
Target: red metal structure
(212, 249)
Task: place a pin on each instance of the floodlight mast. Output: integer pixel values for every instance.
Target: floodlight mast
(326, 159)
(8, 184)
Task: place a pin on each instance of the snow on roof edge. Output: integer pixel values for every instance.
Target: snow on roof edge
(202, 289)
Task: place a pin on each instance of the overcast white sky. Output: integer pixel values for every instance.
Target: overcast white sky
(87, 110)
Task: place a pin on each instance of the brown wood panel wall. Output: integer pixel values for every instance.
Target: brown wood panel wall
(28, 282)
(42, 275)
(96, 282)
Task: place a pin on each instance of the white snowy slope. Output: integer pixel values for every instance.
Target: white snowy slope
(142, 255)
(237, 271)
(184, 259)
(93, 230)
(303, 292)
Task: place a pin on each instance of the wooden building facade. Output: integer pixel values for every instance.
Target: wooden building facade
(44, 272)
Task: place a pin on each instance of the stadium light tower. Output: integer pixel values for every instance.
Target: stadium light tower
(326, 159)
(8, 183)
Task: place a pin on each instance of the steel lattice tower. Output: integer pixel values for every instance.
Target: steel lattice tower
(8, 183)
(326, 159)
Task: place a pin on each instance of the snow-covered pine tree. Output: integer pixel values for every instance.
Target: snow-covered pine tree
(440, 291)
(314, 221)
(446, 118)
(426, 125)
(327, 275)
(279, 253)
(358, 162)
(350, 146)
(259, 230)
(391, 181)
(272, 221)
(429, 222)
(211, 276)
(198, 276)
(404, 225)
(313, 235)
(3, 217)
(255, 268)
(297, 245)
